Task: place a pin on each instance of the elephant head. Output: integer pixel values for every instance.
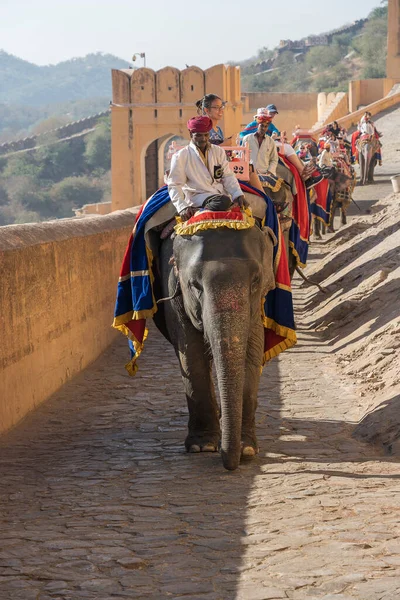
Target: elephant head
(224, 275)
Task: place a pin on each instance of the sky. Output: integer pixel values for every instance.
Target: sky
(170, 33)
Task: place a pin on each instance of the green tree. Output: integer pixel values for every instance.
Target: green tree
(74, 192)
(98, 146)
(321, 58)
(61, 159)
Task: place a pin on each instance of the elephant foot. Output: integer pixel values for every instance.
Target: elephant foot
(206, 448)
(198, 443)
(249, 446)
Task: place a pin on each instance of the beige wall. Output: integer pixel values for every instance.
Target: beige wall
(97, 208)
(294, 109)
(366, 91)
(353, 118)
(57, 299)
(393, 53)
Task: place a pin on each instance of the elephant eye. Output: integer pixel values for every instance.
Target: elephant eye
(255, 284)
(195, 286)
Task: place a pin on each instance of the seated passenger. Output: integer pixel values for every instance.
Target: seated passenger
(325, 159)
(288, 152)
(270, 112)
(212, 106)
(263, 152)
(200, 175)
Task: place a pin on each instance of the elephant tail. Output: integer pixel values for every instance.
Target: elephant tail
(310, 281)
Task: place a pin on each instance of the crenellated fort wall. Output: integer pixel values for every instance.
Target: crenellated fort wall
(150, 106)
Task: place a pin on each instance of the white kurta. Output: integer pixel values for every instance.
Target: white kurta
(190, 182)
(325, 159)
(366, 127)
(265, 157)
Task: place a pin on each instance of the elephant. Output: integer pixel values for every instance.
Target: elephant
(213, 284)
(341, 182)
(367, 147)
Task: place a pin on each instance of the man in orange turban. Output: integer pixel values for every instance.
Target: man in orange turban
(200, 175)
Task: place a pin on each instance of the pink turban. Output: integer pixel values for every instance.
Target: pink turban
(199, 124)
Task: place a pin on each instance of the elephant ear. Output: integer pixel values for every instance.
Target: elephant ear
(268, 232)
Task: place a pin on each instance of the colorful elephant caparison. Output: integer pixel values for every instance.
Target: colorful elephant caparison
(223, 276)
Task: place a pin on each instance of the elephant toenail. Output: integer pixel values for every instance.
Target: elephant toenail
(208, 448)
(194, 448)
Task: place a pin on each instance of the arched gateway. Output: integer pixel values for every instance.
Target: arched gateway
(148, 109)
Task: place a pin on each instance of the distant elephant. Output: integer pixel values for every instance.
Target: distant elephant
(222, 275)
(367, 147)
(341, 181)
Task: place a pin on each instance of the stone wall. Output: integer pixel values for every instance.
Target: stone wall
(60, 133)
(57, 298)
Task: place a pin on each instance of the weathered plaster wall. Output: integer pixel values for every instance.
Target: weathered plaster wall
(393, 53)
(294, 109)
(366, 91)
(57, 295)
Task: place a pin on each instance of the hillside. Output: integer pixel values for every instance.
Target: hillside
(26, 84)
(74, 89)
(324, 62)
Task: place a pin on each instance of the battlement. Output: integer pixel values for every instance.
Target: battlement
(68, 130)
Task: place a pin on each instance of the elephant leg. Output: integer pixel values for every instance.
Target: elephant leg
(371, 170)
(334, 208)
(250, 391)
(317, 228)
(361, 160)
(196, 369)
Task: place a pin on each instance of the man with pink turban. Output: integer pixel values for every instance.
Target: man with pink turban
(200, 175)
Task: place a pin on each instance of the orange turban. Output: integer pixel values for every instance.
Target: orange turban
(199, 124)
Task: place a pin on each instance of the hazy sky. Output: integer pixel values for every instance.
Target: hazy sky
(172, 32)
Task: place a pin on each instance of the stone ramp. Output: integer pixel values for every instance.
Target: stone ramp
(100, 501)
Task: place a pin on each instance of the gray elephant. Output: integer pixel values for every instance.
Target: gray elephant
(367, 148)
(222, 276)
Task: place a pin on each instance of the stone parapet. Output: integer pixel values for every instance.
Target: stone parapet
(57, 298)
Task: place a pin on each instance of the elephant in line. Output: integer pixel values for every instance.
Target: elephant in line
(367, 147)
(222, 276)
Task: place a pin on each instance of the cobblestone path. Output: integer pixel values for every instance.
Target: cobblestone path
(100, 501)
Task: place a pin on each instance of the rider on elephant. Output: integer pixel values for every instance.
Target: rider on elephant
(200, 175)
(263, 152)
(269, 112)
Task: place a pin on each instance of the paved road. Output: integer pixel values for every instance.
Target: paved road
(99, 500)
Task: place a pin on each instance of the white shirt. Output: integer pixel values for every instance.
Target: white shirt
(265, 157)
(325, 159)
(190, 182)
(367, 128)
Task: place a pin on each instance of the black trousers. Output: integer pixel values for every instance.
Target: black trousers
(217, 202)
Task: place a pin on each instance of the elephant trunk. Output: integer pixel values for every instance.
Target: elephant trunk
(228, 340)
